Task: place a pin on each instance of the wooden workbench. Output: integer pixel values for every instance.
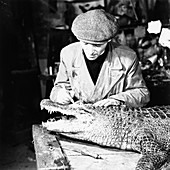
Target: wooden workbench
(56, 152)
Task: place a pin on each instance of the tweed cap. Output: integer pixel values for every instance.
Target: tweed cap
(95, 26)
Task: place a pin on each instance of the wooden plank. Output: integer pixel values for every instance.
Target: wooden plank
(49, 154)
(109, 159)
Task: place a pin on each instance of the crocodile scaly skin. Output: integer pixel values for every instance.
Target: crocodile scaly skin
(146, 130)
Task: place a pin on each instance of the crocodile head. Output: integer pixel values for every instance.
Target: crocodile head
(74, 117)
(99, 125)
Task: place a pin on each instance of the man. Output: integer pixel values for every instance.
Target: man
(96, 69)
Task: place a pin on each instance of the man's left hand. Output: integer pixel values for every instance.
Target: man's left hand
(107, 102)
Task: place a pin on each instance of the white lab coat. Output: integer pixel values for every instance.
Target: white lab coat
(120, 76)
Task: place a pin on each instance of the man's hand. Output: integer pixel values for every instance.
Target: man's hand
(63, 97)
(107, 102)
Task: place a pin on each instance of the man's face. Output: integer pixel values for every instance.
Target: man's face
(93, 51)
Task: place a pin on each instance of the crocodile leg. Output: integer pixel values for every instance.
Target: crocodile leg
(152, 161)
(154, 156)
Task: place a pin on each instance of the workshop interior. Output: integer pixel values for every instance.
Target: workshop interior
(32, 34)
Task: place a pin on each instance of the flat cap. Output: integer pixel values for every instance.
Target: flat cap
(95, 26)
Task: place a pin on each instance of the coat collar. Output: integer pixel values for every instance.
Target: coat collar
(113, 58)
(110, 73)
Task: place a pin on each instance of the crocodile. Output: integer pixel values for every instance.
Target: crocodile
(145, 130)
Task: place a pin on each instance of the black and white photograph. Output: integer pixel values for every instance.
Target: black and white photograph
(84, 84)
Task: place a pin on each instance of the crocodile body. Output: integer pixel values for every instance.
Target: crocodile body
(146, 130)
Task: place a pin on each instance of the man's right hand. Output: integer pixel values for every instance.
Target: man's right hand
(63, 96)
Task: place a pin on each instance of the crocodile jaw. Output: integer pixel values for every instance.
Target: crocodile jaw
(77, 124)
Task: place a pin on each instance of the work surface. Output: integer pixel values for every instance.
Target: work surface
(56, 152)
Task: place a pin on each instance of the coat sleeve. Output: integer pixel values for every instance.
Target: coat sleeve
(62, 78)
(135, 92)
